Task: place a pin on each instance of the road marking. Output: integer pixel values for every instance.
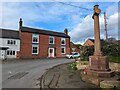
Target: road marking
(18, 75)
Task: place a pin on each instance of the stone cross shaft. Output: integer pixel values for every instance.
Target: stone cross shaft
(97, 30)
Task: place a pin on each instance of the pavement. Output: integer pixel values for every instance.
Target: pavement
(61, 77)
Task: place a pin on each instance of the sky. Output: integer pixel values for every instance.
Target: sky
(56, 16)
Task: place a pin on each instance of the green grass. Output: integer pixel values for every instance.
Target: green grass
(115, 59)
(72, 66)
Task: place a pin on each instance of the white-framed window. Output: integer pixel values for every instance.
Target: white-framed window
(51, 40)
(10, 52)
(11, 42)
(63, 50)
(63, 41)
(34, 49)
(73, 49)
(88, 44)
(8, 41)
(35, 38)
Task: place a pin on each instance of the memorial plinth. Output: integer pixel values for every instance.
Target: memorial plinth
(98, 64)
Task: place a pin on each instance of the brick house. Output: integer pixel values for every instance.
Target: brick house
(89, 42)
(73, 48)
(38, 43)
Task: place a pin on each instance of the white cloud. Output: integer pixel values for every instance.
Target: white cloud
(59, 0)
(51, 12)
(85, 29)
(33, 12)
(112, 10)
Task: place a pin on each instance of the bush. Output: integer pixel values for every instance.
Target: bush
(72, 66)
(86, 52)
(108, 49)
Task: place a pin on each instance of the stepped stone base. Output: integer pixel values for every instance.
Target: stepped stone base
(103, 82)
(104, 74)
(99, 66)
(99, 63)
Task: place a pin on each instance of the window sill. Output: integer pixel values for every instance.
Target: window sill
(35, 42)
(63, 53)
(51, 43)
(63, 44)
(34, 53)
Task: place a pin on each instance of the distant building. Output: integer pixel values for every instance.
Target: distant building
(73, 48)
(9, 43)
(89, 42)
(111, 39)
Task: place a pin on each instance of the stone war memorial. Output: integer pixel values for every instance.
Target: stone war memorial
(98, 69)
(99, 65)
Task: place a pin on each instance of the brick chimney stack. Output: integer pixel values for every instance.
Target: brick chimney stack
(20, 28)
(20, 23)
(66, 31)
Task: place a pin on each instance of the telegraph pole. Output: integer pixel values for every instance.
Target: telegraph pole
(106, 27)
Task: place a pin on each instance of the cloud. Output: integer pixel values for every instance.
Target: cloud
(78, 21)
(39, 12)
(82, 30)
(113, 25)
(85, 30)
(112, 10)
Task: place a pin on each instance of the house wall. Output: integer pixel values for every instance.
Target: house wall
(67, 45)
(73, 46)
(16, 47)
(26, 46)
(58, 47)
(43, 45)
(88, 43)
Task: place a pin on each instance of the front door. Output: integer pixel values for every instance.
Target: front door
(51, 52)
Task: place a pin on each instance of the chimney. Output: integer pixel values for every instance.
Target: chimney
(66, 31)
(20, 28)
(20, 23)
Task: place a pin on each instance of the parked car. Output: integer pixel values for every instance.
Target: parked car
(73, 55)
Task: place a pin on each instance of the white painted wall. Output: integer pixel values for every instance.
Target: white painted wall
(16, 47)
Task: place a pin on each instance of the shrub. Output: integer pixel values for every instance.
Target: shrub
(108, 49)
(72, 66)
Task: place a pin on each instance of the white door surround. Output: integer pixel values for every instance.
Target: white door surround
(51, 52)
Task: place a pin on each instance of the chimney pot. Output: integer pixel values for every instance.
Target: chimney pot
(66, 31)
(20, 23)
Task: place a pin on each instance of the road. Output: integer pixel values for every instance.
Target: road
(24, 74)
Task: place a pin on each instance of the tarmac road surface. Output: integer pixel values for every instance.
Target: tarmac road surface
(24, 74)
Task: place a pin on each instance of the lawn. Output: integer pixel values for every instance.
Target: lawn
(115, 59)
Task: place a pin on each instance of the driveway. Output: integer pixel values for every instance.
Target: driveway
(24, 74)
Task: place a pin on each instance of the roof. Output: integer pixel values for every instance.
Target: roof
(92, 40)
(4, 48)
(7, 33)
(45, 32)
(116, 41)
(73, 45)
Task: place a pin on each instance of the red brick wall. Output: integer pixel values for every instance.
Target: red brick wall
(67, 45)
(58, 46)
(43, 46)
(73, 46)
(26, 46)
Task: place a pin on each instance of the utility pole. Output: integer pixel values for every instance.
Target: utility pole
(106, 27)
